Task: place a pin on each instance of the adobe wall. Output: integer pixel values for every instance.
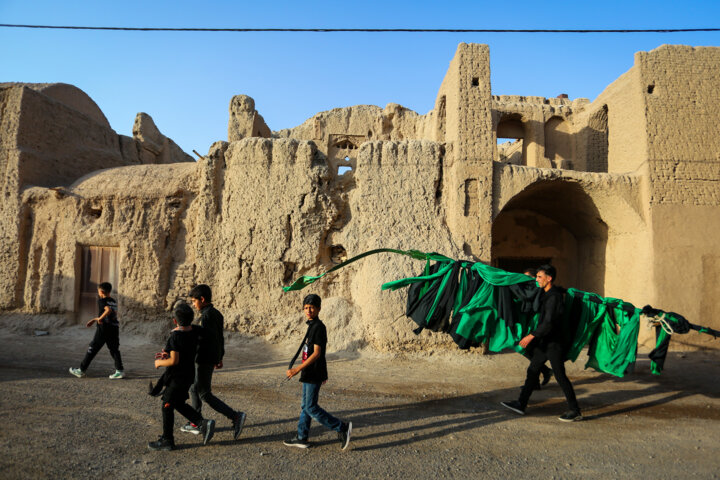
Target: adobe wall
(45, 142)
(682, 91)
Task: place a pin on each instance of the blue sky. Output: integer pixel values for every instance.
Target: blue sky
(185, 80)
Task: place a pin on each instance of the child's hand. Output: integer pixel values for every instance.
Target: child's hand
(89, 324)
(157, 361)
(292, 372)
(219, 366)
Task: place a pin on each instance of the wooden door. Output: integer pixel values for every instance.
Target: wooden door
(99, 264)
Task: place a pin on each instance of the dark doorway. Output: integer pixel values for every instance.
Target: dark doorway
(520, 264)
(98, 264)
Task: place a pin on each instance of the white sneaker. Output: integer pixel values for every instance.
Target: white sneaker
(117, 374)
(77, 372)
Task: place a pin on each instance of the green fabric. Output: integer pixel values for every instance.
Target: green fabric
(654, 367)
(608, 325)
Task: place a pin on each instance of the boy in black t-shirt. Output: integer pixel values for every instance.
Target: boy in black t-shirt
(313, 373)
(179, 358)
(107, 332)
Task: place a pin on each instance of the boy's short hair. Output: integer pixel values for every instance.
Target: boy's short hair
(549, 271)
(106, 287)
(313, 300)
(201, 291)
(183, 314)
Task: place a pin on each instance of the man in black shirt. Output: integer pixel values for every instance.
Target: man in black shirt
(210, 357)
(179, 358)
(107, 331)
(547, 344)
(313, 373)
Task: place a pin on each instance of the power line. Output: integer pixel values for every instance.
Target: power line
(366, 30)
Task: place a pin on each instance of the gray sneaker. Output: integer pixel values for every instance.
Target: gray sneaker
(344, 435)
(77, 372)
(238, 423)
(190, 428)
(208, 430)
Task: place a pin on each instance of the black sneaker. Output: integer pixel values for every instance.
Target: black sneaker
(344, 435)
(515, 406)
(238, 424)
(296, 442)
(162, 443)
(570, 416)
(547, 375)
(208, 430)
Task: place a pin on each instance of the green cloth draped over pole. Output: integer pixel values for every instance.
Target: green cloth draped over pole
(609, 326)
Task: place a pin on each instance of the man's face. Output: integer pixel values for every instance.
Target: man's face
(543, 279)
(311, 311)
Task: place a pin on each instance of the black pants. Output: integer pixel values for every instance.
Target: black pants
(104, 334)
(201, 391)
(174, 399)
(553, 352)
(544, 370)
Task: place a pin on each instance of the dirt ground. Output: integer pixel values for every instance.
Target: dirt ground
(414, 417)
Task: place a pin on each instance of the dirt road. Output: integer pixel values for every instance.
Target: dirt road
(425, 417)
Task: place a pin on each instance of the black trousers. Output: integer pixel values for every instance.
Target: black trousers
(174, 399)
(201, 391)
(554, 352)
(104, 334)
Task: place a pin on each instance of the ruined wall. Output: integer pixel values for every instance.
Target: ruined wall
(682, 91)
(45, 142)
(614, 135)
(138, 209)
(467, 126)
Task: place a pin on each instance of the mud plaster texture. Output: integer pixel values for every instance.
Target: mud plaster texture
(621, 194)
(413, 417)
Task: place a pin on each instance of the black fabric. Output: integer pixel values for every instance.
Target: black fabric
(529, 295)
(418, 308)
(316, 335)
(159, 388)
(540, 354)
(297, 354)
(105, 333)
(549, 327)
(212, 342)
(185, 343)
(111, 318)
(474, 280)
(201, 391)
(168, 415)
(677, 322)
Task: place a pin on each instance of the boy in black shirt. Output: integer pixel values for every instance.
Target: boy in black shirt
(107, 332)
(313, 373)
(209, 357)
(179, 358)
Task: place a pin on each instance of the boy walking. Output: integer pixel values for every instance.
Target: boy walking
(209, 357)
(179, 358)
(313, 373)
(107, 331)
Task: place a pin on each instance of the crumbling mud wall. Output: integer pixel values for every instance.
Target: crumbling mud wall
(51, 135)
(616, 193)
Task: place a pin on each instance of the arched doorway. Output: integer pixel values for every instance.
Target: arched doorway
(556, 221)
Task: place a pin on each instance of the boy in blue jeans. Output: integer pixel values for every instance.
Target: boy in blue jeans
(313, 373)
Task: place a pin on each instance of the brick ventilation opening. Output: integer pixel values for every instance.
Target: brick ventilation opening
(651, 88)
(475, 81)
